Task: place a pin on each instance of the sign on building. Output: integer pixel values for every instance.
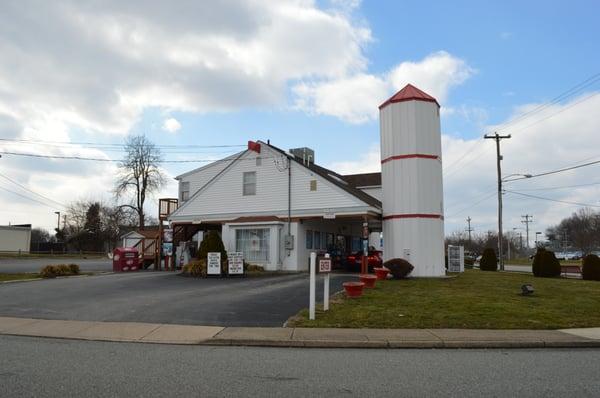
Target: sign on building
(213, 263)
(235, 262)
(325, 265)
(168, 235)
(167, 249)
(456, 258)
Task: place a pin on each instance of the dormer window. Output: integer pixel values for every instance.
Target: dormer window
(184, 191)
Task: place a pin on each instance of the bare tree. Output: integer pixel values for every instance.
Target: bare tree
(139, 174)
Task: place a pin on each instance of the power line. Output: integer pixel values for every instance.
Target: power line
(561, 97)
(27, 197)
(472, 205)
(561, 187)
(554, 171)
(29, 190)
(117, 145)
(552, 200)
(115, 160)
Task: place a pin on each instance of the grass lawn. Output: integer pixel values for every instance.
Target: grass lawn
(475, 300)
(15, 277)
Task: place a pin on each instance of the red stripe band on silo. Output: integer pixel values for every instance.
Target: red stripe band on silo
(414, 215)
(410, 156)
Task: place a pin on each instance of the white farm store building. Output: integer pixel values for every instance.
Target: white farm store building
(277, 206)
(260, 196)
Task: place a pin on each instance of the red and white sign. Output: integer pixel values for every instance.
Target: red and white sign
(325, 265)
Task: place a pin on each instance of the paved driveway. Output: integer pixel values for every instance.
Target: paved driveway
(162, 297)
(17, 265)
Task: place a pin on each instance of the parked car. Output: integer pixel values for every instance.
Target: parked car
(374, 259)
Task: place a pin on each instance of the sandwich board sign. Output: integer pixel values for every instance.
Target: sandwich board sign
(213, 263)
(235, 262)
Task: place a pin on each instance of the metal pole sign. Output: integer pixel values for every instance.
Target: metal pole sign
(213, 263)
(235, 263)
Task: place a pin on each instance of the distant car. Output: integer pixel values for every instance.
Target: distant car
(374, 260)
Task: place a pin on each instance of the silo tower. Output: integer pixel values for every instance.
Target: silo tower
(411, 171)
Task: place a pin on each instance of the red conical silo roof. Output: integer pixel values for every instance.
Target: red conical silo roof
(410, 93)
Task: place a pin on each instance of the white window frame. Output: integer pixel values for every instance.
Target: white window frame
(184, 191)
(249, 187)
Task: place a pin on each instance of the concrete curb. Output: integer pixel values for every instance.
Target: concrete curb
(299, 337)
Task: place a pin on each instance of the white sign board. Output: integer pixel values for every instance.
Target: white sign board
(325, 265)
(456, 258)
(213, 263)
(235, 262)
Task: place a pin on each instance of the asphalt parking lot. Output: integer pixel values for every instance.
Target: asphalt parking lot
(18, 265)
(164, 297)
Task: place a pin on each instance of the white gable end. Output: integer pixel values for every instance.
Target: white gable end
(223, 196)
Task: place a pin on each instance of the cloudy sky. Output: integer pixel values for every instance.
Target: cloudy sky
(300, 73)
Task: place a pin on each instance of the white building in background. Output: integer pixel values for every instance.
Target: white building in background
(15, 238)
(277, 206)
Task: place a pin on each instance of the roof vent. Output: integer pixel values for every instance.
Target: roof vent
(305, 155)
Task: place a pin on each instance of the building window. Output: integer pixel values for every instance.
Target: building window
(258, 161)
(254, 243)
(317, 240)
(313, 185)
(249, 183)
(185, 191)
(309, 239)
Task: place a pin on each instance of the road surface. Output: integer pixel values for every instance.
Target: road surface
(60, 368)
(164, 297)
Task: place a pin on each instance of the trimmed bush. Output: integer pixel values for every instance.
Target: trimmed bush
(399, 268)
(212, 243)
(196, 268)
(74, 268)
(48, 272)
(63, 270)
(488, 262)
(545, 264)
(52, 271)
(591, 268)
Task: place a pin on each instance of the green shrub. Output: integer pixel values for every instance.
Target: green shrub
(49, 271)
(74, 268)
(212, 243)
(196, 268)
(488, 261)
(399, 268)
(545, 264)
(591, 268)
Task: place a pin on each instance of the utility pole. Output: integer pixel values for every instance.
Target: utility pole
(497, 137)
(526, 220)
(469, 230)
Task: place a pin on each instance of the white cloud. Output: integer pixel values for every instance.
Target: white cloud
(97, 65)
(368, 162)
(355, 98)
(94, 67)
(171, 125)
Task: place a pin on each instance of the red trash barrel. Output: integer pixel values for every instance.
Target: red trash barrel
(126, 259)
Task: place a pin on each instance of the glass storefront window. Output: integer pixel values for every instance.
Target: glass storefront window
(254, 243)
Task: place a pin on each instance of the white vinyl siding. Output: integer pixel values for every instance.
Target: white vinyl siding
(222, 196)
